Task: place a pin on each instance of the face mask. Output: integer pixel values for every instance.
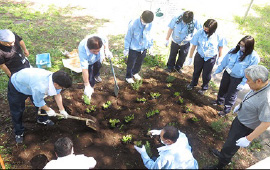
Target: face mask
(162, 142)
(242, 49)
(144, 23)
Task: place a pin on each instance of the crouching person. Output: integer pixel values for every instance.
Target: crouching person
(176, 154)
(66, 159)
(35, 83)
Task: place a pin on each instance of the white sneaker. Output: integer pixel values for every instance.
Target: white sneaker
(130, 80)
(137, 76)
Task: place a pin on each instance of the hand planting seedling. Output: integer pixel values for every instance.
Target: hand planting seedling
(113, 122)
(170, 79)
(138, 143)
(176, 94)
(106, 105)
(154, 95)
(127, 138)
(152, 113)
(141, 100)
(129, 118)
(91, 109)
(86, 99)
(136, 86)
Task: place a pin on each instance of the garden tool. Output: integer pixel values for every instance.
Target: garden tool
(116, 88)
(2, 163)
(92, 123)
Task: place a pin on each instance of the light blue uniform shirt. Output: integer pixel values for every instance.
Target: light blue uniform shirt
(175, 156)
(34, 82)
(138, 37)
(207, 47)
(88, 58)
(180, 31)
(237, 67)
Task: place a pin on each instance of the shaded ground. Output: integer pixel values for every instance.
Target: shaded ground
(105, 145)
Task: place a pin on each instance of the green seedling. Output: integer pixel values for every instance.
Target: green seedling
(181, 100)
(188, 109)
(107, 105)
(113, 122)
(176, 94)
(129, 118)
(141, 100)
(152, 113)
(91, 109)
(138, 143)
(148, 149)
(195, 119)
(169, 85)
(155, 95)
(127, 138)
(170, 79)
(86, 99)
(136, 86)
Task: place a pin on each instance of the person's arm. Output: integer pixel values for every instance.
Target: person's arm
(192, 49)
(85, 76)
(5, 69)
(45, 107)
(258, 131)
(169, 33)
(220, 51)
(59, 101)
(22, 44)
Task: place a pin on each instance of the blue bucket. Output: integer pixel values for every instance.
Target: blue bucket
(43, 60)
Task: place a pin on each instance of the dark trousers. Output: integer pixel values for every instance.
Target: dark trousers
(93, 71)
(227, 91)
(205, 67)
(16, 102)
(134, 63)
(237, 131)
(182, 52)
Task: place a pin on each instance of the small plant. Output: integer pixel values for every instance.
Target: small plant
(152, 113)
(91, 109)
(138, 143)
(106, 105)
(195, 119)
(136, 86)
(141, 100)
(170, 79)
(169, 85)
(188, 109)
(86, 99)
(127, 138)
(176, 94)
(155, 95)
(129, 118)
(113, 122)
(219, 125)
(181, 100)
(255, 146)
(148, 149)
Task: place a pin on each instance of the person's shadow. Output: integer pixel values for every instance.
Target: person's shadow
(39, 161)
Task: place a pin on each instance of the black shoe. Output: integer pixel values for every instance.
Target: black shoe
(19, 139)
(178, 71)
(215, 103)
(47, 122)
(222, 113)
(215, 152)
(201, 92)
(98, 79)
(169, 70)
(190, 87)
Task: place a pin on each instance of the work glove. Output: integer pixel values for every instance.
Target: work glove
(125, 52)
(217, 62)
(150, 51)
(51, 112)
(64, 113)
(155, 132)
(189, 61)
(166, 43)
(242, 142)
(236, 109)
(88, 91)
(240, 87)
(140, 150)
(214, 76)
(109, 54)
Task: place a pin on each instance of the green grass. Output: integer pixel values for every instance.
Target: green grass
(258, 27)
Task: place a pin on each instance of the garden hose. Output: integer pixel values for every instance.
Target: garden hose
(2, 163)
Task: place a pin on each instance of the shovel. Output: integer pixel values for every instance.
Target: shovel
(92, 123)
(116, 88)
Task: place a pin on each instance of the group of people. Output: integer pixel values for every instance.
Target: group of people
(240, 66)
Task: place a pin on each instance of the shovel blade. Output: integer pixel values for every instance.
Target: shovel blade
(116, 90)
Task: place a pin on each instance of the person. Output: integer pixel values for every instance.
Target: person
(209, 44)
(137, 41)
(182, 29)
(35, 83)
(92, 51)
(66, 159)
(253, 115)
(233, 79)
(13, 52)
(176, 154)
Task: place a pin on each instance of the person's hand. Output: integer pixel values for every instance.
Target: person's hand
(217, 62)
(88, 91)
(51, 112)
(150, 51)
(109, 54)
(140, 150)
(242, 142)
(214, 76)
(189, 61)
(155, 132)
(166, 43)
(26, 52)
(240, 87)
(125, 52)
(64, 113)
(236, 109)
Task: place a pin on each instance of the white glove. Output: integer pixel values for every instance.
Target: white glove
(108, 54)
(125, 52)
(236, 109)
(242, 142)
(51, 112)
(140, 150)
(240, 87)
(88, 91)
(217, 62)
(150, 51)
(155, 132)
(64, 113)
(214, 76)
(166, 43)
(189, 61)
